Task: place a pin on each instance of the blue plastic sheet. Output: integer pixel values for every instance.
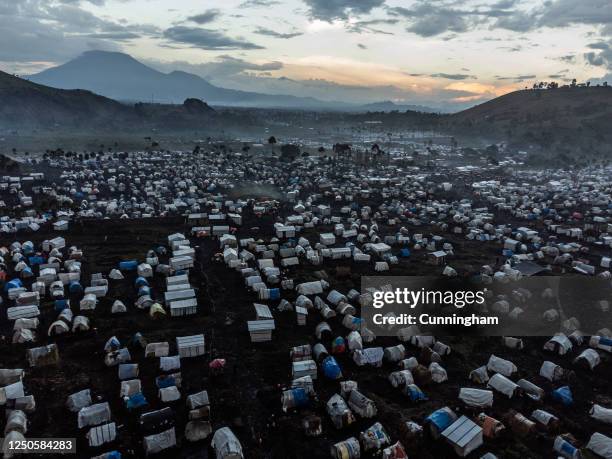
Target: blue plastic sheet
(440, 418)
(140, 281)
(415, 394)
(300, 397)
(331, 369)
(563, 395)
(15, 283)
(75, 287)
(136, 401)
(129, 265)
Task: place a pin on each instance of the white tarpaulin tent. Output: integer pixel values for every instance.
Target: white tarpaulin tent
(478, 398)
(226, 444)
(600, 445)
(158, 442)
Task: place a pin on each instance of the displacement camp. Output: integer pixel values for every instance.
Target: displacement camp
(427, 319)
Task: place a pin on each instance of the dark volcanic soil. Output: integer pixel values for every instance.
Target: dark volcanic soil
(247, 396)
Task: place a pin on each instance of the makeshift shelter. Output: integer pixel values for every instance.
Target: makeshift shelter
(439, 420)
(464, 435)
(155, 443)
(226, 444)
(43, 355)
(260, 330)
(339, 412)
(601, 445)
(501, 384)
(190, 346)
(347, 449)
(99, 435)
(374, 437)
(361, 405)
(78, 400)
(477, 398)
(94, 414)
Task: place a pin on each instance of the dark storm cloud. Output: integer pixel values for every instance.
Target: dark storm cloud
(275, 34)
(208, 39)
(427, 19)
(602, 56)
(330, 10)
(516, 22)
(39, 30)
(205, 17)
(561, 13)
(371, 26)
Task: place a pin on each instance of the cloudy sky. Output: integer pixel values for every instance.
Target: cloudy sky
(431, 52)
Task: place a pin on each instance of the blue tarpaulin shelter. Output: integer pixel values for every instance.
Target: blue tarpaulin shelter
(140, 281)
(564, 395)
(15, 283)
(331, 369)
(137, 400)
(441, 419)
(75, 287)
(415, 394)
(36, 260)
(60, 305)
(129, 265)
(165, 381)
(300, 397)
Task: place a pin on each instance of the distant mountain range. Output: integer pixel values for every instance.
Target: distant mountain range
(564, 120)
(24, 104)
(121, 77)
(390, 106)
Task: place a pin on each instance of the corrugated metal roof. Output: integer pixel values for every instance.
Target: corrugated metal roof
(462, 431)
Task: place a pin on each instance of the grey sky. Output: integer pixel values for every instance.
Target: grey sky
(411, 51)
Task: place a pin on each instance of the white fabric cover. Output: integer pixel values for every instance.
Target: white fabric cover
(600, 445)
(159, 442)
(226, 444)
(476, 397)
(502, 366)
(94, 414)
(502, 384)
(601, 414)
(78, 400)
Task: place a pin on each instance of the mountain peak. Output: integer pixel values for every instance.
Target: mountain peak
(101, 57)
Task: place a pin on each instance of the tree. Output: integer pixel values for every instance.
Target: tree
(289, 152)
(272, 140)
